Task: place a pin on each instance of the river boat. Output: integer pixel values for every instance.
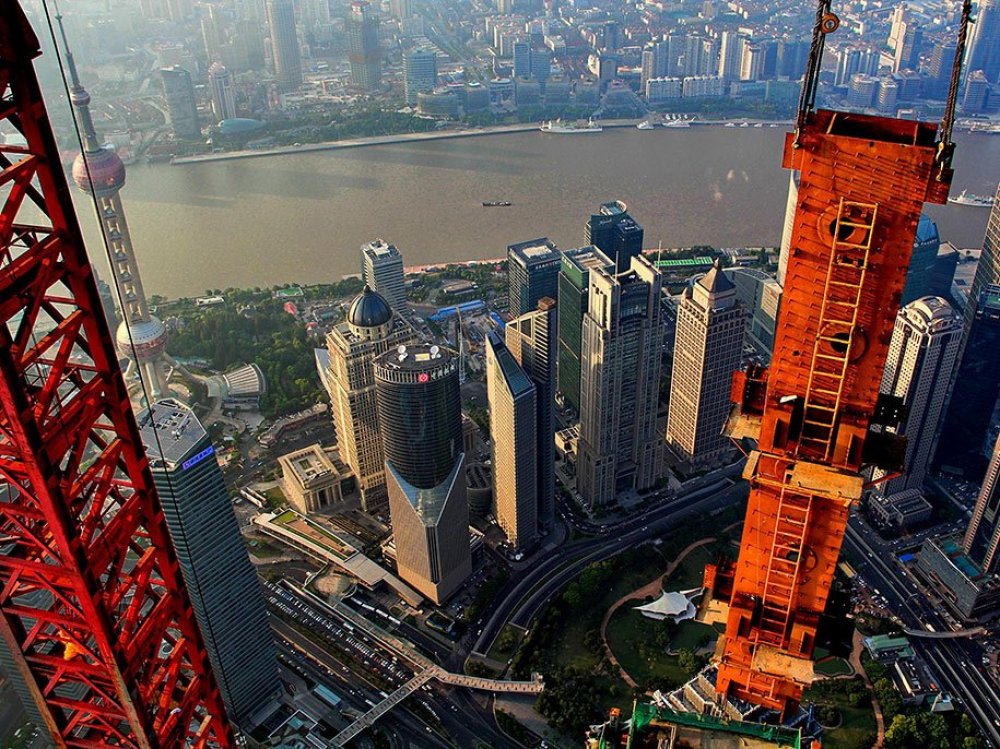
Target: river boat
(677, 123)
(980, 201)
(645, 125)
(496, 203)
(561, 128)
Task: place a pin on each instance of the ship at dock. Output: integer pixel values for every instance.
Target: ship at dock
(563, 128)
(964, 198)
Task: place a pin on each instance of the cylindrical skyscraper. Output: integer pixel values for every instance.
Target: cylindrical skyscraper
(100, 172)
(420, 418)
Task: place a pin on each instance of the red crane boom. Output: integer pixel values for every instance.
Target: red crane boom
(92, 604)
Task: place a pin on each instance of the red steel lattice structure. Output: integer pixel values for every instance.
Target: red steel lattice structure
(92, 604)
(816, 414)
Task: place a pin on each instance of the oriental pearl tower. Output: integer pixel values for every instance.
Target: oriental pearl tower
(100, 172)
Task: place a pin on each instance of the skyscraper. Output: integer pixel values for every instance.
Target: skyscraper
(730, 55)
(382, 271)
(532, 273)
(420, 414)
(760, 296)
(100, 172)
(217, 571)
(789, 224)
(907, 56)
(918, 369)
(574, 293)
(988, 268)
(707, 350)
(419, 72)
(284, 44)
(616, 233)
(965, 441)
(181, 106)
(513, 406)
(370, 329)
(531, 338)
(984, 47)
(223, 95)
(623, 332)
(919, 276)
(363, 47)
(982, 537)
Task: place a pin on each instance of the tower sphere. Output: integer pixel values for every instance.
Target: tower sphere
(101, 172)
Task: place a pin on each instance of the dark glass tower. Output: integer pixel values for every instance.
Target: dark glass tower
(574, 282)
(920, 275)
(965, 444)
(532, 273)
(420, 418)
(284, 44)
(616, 233)
(217, 571)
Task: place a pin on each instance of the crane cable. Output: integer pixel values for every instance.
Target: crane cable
(946, 147)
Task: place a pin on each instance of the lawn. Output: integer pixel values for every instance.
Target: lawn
(633, 638)
(857, 728)
(833, 667)
(507, 643)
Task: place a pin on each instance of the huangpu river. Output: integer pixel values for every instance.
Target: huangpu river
(303, 217)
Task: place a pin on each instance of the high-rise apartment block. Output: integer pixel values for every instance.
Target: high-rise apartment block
(382, 271)
(371, 328)
(420, 413)
(918, 369)
(223, 94)
(574, 294)
(181, 106)
(615, 233)
(623, 331)
(419, 72)
(284, 44)
(513, 405)
(532, 273)
(707, 350)
(364, 52)
(532, 339)
(217, 571)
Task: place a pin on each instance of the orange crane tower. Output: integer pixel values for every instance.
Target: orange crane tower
(816, 414)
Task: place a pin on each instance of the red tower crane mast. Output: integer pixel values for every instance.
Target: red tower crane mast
(816, 414)
(92, 604)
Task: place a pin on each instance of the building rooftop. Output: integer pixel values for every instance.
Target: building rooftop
(588, 258)
(309, 464)
(417, 357)
(517, 381)
(245, 380)
(534, 251)
(170, 431)
(380, 249)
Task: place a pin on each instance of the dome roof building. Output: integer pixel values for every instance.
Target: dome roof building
(368, 314)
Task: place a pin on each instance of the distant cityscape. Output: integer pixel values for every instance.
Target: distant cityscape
(177, 77)
(488, 504)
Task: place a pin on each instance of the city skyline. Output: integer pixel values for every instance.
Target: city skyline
(389, 485)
